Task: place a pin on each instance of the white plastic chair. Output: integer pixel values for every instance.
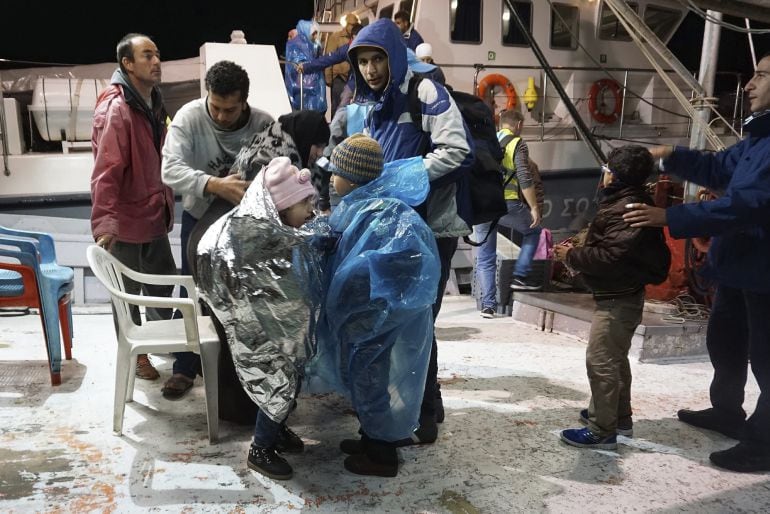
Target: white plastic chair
(191, 333)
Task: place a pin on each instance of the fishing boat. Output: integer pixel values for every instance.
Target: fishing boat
(589, 87)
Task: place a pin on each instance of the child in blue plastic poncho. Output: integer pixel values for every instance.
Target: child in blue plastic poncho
(376, 327)
(299, 49)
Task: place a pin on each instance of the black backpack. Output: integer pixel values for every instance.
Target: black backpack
(486, 180)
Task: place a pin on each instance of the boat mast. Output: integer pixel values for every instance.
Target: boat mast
(706, 76)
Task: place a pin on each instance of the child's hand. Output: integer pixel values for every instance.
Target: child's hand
(560, 252)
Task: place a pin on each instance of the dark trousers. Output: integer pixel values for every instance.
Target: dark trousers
(446, 250)
(739, 332)
(154, 258)
(186, 363)
(338, 84)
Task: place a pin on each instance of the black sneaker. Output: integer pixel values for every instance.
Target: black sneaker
(362, 464)
(744, 457)
(625, 425)
(487, 312)
(439, 407)
(728, 425)
(269, 463)
(288, 441)
(522, 284)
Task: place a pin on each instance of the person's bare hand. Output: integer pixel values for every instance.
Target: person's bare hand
(536, 218)
(560, 252)
(643, 215)
(230, 188)
(661, 152)
(300, 68)
(105, 241)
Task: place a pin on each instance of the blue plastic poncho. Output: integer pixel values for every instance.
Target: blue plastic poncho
(299, 49)
(376, 325)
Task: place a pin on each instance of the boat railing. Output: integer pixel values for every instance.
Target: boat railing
(621, 75)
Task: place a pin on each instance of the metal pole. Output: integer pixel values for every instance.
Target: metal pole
(4, 131)
(623, 104)
(706, 76)
(580, 125)
(751, 45)
(301, 91)
(542, 115)
(738, 94)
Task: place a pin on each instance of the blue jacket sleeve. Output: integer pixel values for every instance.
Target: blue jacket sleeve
(711, 170)
(319, 63)
(744, 173)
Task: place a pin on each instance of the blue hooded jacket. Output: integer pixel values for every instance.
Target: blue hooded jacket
(739, 220)
(388, 121)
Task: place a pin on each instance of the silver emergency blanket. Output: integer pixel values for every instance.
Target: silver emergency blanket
(250, 269)
(375, 328)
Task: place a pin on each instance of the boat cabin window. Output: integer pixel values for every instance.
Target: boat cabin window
(465, 21)
(512, 36)
(387, 12)
(565, 23)
(610, 27)
(662, 21)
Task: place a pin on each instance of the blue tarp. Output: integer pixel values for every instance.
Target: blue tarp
(299, 49)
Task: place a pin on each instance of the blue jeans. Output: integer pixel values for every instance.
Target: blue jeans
(265, 431)
(518, 219)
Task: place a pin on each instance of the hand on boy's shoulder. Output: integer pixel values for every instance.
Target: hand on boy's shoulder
(643, 215)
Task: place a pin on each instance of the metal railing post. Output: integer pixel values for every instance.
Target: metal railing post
(623, 104)
(542, 111)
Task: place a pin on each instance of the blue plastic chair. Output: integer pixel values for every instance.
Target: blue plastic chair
(54, 284)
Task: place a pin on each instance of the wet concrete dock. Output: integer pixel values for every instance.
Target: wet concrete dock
(508, 387)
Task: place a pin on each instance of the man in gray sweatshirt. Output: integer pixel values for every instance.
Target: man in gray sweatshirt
(201, 145)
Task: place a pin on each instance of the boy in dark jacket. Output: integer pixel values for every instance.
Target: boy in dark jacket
(617, 261)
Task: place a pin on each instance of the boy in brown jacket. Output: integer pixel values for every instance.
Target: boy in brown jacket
(616, 262)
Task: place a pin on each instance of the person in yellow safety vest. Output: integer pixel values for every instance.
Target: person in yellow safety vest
(523, 197)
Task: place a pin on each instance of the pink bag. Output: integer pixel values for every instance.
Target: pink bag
(544, 246)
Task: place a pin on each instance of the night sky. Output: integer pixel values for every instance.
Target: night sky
(89, 33)
(85, 32)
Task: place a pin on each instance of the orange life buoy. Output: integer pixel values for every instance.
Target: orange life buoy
(495, 79)
(597, 89)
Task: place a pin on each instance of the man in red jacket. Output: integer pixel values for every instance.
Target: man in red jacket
(132, 210)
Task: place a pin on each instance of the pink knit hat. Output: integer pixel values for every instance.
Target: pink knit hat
(286, 184)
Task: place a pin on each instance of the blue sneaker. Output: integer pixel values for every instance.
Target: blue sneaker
(584, 438)
(625, 426)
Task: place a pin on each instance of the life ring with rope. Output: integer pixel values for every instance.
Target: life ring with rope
(493, 80)
(594, 105)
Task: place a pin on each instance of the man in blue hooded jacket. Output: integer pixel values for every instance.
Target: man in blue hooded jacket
(738, 223)
(378, 58)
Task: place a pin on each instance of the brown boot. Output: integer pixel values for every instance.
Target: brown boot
(144, 368)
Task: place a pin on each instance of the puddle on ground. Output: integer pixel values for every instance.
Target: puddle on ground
(21, 470)
(456, 503)
(455, 333)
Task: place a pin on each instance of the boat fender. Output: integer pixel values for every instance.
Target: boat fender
(597, 88)
(495, 79)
